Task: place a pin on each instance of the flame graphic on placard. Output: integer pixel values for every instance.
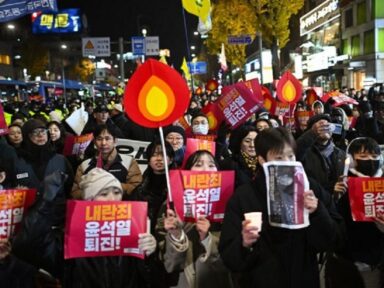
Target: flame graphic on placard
(289, 91)
(156, 95)
(156, 99)
(212, 120)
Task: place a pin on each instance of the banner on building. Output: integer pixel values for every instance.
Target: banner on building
(13, 9)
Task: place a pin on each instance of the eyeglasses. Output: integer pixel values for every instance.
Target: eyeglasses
(177, 139)
(38, 131)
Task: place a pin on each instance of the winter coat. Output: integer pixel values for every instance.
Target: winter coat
(280, 258)
(325, 172)
(123, 167)
(236, 163)
(41, 244)
(198, 262)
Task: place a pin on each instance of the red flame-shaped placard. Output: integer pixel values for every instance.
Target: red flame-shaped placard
(288, 89)
(156, 95)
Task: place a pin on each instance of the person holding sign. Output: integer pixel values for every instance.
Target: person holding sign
(365, 240)
(268, 256)
(96, 272)
(123, 167)
(192, 247)
(153, 190)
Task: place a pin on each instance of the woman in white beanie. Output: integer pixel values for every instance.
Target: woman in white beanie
(113, 271)
(95, 272)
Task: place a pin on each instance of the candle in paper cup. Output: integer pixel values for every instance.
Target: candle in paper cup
(255, 218)
(346, 166)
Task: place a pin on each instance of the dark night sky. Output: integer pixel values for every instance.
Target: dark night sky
(125, 18)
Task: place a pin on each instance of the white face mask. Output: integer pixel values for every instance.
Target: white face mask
(200, 129)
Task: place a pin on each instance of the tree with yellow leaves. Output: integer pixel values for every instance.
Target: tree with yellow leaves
(83, 70)
(231, 17)
(239, 17)
(273, 21)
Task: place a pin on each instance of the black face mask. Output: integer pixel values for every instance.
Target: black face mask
(368, 167)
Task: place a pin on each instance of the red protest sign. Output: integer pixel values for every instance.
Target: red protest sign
(13, 204)
(3, 124)
(237, 104)
(288, 88)
(197, 193)
(194, 144)
(269, 102)
(156, 95)
(104, 228)
(76, 145)
(366, 198)
(302, 118)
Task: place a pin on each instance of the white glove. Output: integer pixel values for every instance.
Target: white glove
(147, 243)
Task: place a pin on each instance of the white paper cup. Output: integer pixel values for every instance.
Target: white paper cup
(255, 218)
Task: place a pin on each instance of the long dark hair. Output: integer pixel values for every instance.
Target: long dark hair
(58, 145)
(194, 157)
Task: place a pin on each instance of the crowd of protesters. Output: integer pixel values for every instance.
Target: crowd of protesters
(333, 251)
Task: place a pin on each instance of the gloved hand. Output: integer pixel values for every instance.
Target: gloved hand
(147, 243)
(52, 185)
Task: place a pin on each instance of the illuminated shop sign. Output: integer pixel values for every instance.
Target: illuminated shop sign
(320, 61)
(319, 16)
(63, 21)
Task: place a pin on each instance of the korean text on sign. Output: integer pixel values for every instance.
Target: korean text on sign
(366, 197)
(13, 204)
(104, 228)
(232, 105)
(198, 194)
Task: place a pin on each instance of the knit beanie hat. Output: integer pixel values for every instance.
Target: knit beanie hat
(317, 118)
(174, 129)
(31, 125)
(96, 180)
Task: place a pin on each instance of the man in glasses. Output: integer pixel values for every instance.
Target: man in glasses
(37, 158)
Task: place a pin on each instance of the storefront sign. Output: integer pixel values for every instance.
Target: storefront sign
(322, 14)
(320, 61)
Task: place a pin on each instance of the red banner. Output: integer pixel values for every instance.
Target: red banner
(104, 228)
(194, 144)
(13, 204)
(366, 198)
(214, 115)
(76, 145)
(302, 118)
(198, 193)
(3, 124)
(238, 104)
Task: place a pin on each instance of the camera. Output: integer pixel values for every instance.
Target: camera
(336, 128)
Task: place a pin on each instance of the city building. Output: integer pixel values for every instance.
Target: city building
(363, 42)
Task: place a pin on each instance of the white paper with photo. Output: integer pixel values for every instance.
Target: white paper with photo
(286, 183)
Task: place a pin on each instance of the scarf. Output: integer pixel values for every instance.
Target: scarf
(250, 161)
(327, 149)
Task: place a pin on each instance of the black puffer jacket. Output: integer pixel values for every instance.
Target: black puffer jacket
(281, 258)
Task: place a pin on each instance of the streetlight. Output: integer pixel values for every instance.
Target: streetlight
(11, 26)
(195, 33)
(64, 46)
(193, 47)
(144, 32)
